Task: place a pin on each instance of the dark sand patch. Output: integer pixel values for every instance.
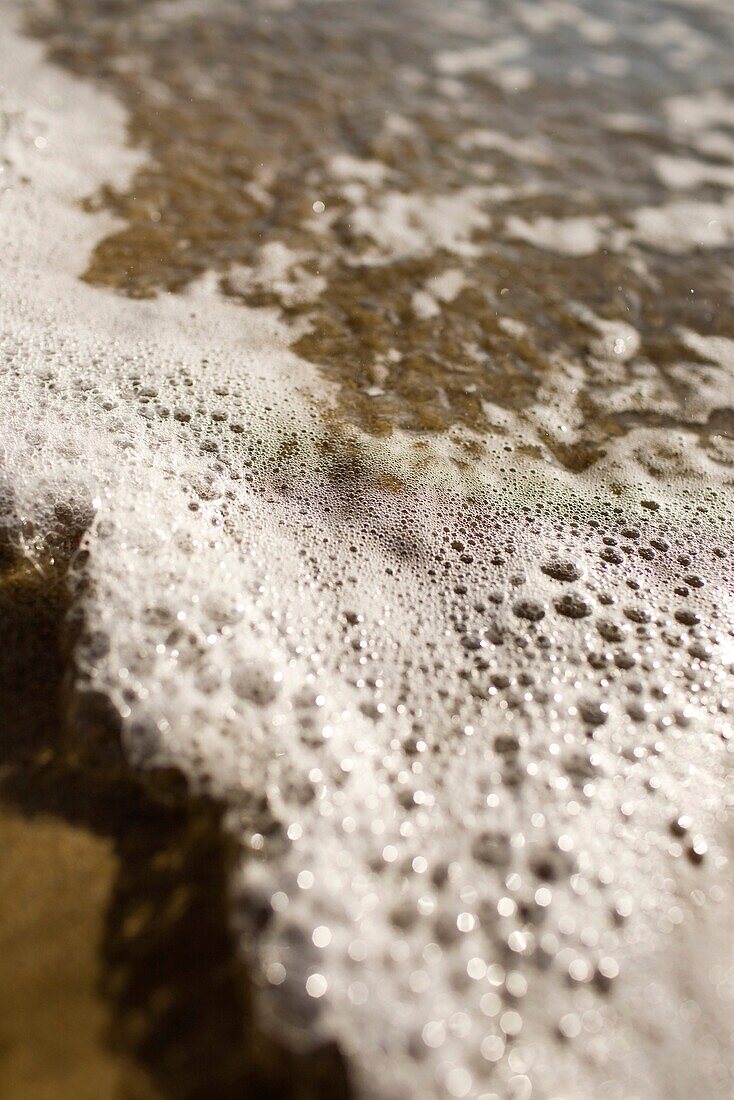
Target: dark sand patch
(119, 976)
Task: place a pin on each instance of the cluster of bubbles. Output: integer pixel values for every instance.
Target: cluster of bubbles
(435, 209)
(466, 736)
(468, 711)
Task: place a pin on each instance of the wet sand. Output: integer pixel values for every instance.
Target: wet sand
(119, 974)
(117, 968)
(377, 730)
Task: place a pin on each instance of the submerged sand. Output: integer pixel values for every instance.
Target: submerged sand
(380, 415)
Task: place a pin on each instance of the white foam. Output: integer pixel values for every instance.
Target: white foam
(306, 644)
(685, 173)
(534, 150)
(403, 224)
(578, 236)
(682, 226)
(481, 59)
(353, 168)
(448, 285)
(280, 271)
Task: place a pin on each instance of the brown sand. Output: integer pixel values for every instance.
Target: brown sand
(118, 976)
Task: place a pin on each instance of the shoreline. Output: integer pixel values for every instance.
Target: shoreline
(248, 616)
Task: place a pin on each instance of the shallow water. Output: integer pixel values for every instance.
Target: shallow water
(479, 175)
(120, 977)
(386, 374)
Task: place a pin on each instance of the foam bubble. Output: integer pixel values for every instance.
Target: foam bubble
(452, 688)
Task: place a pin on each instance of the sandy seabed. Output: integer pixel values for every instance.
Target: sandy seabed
(396, 745)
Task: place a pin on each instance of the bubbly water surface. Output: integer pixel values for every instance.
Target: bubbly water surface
(394, 407)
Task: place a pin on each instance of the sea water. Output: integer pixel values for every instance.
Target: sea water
(379, 358)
